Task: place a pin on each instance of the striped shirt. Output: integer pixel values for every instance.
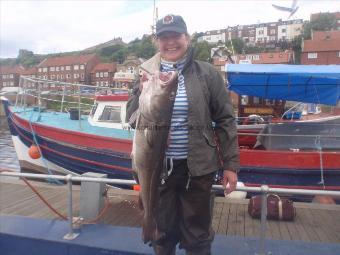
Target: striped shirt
(178, 135)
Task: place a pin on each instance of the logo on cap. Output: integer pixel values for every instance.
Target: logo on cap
(168, 19)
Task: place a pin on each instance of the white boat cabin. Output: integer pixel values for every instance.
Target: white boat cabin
(109, 111)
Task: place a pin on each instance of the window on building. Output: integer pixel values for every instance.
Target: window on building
(62, 68)
(106, 74)
(82, 67)
(260, 32)
(45, 69)
(256, 57)
(11, 76)
(272, 31)
(57, 68)
(312, 55)
(339, 54)
(40, 70)
(111, 114)
(68, 76)
(52, 68)
(68, 68)
(97, 75)
(283, 30)
(82, 75)
(76, 75)
(101, 74)
(251, 32)
(52, 77)
(61, 76)
(76, 67)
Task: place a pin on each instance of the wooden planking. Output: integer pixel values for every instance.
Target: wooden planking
(230, 217)
(232, 220)
(217, 214)
(223, 225)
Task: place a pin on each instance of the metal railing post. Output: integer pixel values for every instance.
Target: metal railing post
(79, 105)
(264, 191)
(70, 235)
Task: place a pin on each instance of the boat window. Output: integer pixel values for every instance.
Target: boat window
(94, 108)
(111, 114)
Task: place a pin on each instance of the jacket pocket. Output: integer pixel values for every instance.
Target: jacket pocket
(210, 139)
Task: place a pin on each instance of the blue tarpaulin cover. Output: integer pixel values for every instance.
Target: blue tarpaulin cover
(303, 83)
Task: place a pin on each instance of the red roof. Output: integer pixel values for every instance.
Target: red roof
(323, 35)
(109, 67)
(29, 71)
(322, 41)
(66, 60)
(11, 69)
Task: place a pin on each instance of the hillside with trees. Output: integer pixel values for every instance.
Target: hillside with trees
(116, 50)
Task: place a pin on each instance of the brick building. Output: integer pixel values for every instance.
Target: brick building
(322, 49)
(72, 69)
(10, 76)
(262, 34)
(29, 72)
(281, 57)
(127, 73)
(102, 74)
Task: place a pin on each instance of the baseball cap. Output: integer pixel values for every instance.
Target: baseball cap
(171, 23)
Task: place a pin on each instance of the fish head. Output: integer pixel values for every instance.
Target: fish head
(158, 95)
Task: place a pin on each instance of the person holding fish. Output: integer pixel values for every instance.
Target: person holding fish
(185, 131)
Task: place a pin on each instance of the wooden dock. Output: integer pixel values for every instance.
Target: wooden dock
(314, 222)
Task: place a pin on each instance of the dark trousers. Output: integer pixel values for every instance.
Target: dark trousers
(184, 213)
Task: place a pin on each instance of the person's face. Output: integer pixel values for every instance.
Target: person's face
(172, 45)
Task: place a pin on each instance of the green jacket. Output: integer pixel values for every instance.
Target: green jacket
(208, 102)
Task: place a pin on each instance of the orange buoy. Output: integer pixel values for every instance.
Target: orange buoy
(34, 152)
(136, 187)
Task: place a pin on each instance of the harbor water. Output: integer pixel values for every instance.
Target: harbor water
(8, 157)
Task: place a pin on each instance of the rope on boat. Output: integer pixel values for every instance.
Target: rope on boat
(318, 146)
(38, 146)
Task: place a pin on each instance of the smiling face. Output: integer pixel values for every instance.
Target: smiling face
(172, 46)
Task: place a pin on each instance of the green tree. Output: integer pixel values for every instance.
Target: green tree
(202, 51)
(237, 44)
(324, 22)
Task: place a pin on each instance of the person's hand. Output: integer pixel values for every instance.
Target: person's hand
(229, 177)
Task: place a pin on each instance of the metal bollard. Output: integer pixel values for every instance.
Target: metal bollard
(70, 235)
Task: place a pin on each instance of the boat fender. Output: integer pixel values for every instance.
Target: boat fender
(34, 152)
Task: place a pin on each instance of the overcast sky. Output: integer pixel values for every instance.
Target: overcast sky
(58, 26)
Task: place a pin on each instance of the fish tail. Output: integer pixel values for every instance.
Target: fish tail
(149, 229)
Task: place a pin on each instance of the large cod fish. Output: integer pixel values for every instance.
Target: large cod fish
(150, 141)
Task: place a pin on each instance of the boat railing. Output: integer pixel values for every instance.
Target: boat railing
(264, 190)
(68, 95)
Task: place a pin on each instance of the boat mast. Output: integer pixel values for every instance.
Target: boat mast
(154, 18)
